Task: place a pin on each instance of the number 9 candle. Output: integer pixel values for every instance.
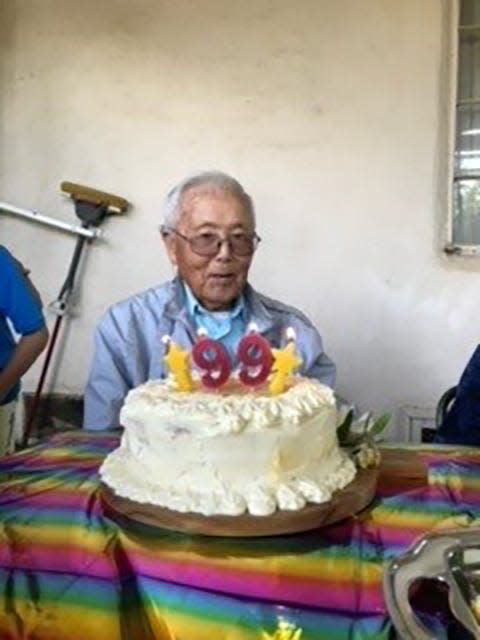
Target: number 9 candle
(255, 356)
(211, 357)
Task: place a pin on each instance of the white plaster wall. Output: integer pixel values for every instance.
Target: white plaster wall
(329, 112)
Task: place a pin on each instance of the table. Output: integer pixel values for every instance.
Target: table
(68, 571)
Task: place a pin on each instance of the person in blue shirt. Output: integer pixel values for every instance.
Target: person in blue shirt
(209, 234)
(461, 423)
(20, 308)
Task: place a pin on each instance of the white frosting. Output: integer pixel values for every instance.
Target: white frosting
(228, 451)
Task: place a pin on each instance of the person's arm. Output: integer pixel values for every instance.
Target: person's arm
(28, 348)
(323, 369)
(316, 363)
(21, 305)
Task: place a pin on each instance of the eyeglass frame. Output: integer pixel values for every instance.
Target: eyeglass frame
(165, 230)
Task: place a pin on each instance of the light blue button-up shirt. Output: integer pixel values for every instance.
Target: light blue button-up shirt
(129, 349)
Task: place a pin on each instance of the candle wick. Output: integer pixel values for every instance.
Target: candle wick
(290, 334)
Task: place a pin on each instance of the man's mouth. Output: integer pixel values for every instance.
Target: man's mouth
(222, 277)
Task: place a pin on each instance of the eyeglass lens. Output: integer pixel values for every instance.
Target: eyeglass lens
(209, 244)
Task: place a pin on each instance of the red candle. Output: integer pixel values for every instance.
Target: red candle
(211, 357)
(255, 357)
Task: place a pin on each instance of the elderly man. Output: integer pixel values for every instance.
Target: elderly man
(209, 234)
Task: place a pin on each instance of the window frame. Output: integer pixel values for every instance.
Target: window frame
(451, 44)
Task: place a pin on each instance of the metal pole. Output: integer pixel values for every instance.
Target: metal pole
(51, 222)
(62, 302)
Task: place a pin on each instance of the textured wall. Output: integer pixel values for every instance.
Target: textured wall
(329, 112)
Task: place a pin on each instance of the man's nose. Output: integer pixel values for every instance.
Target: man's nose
(225, 249)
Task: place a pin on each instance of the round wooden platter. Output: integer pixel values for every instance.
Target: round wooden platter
(344, 503)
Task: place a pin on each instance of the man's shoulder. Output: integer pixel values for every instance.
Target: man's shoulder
(152, 300)
(277, 307)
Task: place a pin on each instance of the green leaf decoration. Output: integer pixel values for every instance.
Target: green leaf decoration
(379, 425)
(343, 430)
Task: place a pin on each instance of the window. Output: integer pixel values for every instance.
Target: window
(465, 221)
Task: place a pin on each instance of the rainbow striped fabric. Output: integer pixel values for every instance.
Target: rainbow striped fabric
(69, 572)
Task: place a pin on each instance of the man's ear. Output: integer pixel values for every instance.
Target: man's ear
(171, 246)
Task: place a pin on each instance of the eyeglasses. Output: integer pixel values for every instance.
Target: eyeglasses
(208, 244)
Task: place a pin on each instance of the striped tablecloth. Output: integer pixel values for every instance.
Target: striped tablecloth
(69, 572)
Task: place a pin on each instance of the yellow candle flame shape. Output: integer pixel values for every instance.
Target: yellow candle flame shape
(285, 361)
(178, 362)
(284, 631)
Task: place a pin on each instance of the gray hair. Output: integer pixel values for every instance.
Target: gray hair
(171, 207)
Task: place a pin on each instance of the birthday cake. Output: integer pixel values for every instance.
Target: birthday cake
(229, 451)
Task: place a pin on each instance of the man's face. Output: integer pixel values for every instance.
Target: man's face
(218, 280)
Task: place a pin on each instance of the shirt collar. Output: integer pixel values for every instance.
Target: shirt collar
(195, 309)
(255, 307)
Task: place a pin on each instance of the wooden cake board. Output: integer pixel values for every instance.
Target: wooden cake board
(344, 503)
